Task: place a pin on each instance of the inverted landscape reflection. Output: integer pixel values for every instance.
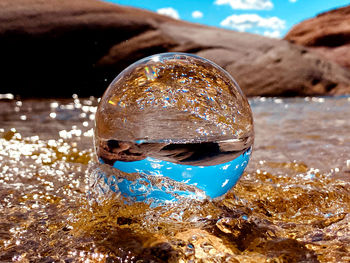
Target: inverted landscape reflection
(177, 116)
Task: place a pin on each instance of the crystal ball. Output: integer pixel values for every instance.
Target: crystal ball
(176, 119)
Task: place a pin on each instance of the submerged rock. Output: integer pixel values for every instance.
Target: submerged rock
(60, 47)
(328, 34)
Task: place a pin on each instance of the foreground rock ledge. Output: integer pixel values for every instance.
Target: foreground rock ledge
(59, 47)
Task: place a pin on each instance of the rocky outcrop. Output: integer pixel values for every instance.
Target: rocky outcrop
(328, 34)
(60, 47)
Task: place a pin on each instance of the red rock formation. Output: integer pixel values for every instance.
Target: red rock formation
(60, 47)
(328, 34)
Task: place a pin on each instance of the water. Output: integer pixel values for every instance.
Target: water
(178, 116)
(291, 205)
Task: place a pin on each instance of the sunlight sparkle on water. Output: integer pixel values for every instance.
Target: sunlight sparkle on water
(292, 204)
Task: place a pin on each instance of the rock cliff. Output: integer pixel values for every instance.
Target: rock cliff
(328, 34)
(59, 47)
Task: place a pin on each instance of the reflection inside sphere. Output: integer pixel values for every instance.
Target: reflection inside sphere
(173, 108)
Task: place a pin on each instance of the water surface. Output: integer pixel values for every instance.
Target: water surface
(291, 205)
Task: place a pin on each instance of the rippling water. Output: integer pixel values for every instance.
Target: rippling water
(291, 205)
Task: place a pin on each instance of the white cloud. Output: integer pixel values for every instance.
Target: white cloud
(197, 14)
(293, 1)
(247, 4)
(272, 25)
(169, 11)
(273, 34)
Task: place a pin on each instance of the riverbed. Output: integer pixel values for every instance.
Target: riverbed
(291, 205)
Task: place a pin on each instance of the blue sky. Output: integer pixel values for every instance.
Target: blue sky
(272, 18)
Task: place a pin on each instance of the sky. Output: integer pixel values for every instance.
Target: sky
(272, 18)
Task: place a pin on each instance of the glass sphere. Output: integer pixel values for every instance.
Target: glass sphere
(175, 116)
